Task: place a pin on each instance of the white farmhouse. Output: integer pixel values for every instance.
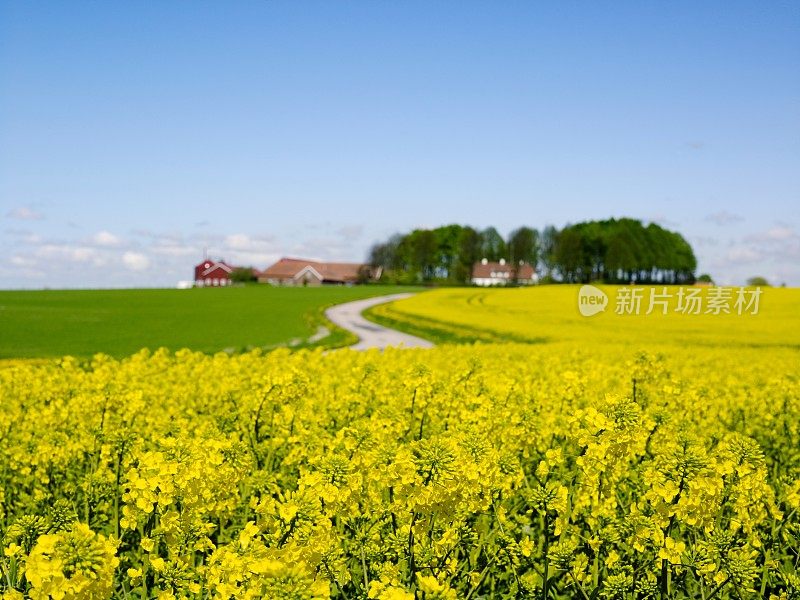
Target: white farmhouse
(486, 273)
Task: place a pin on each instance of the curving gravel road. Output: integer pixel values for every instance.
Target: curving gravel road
(371, 335)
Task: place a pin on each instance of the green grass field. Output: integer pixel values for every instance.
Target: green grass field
(39, 324)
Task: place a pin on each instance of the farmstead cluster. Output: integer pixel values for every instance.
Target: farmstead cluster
(462, 472)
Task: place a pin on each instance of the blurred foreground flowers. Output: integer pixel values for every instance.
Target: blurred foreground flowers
(497, 471)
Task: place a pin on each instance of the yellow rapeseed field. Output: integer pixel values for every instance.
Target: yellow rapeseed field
(550, 314)
(623, 463)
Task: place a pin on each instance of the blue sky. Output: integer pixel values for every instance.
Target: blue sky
(134, 134)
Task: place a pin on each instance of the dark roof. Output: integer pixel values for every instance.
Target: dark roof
(484, 271)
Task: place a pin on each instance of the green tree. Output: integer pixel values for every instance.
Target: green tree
(492, 244)
(243, 275)
(383, 255)
(469, 252)
(758, 280)
(569, 255)
(613, 250)
(523, 247)
(424, 253)
(447, 245)
(547, 249)
(620, 259)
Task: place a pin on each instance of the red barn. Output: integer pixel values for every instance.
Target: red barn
(211, 273)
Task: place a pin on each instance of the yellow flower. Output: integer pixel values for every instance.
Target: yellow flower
(319, 474)
(526, 547)
(672, 551)
(79, 563)
(435, 589)
(612, 558)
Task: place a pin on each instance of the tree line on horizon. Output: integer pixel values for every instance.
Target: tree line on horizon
(609, 251)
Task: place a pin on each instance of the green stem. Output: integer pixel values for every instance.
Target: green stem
(480, 580)
(364, 567)
(546, 551)
(411, 562)
(580, 586)
(718, 588)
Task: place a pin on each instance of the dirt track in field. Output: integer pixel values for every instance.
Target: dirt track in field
(371, 335)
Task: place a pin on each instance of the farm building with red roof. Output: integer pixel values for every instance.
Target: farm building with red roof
(300, 271)
(212, 273)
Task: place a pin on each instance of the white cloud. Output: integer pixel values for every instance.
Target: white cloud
(83, 254)
(24, 236)
(324, 248)
(25, 213)
(238, 241)
(243, 241)
(743, 254)
(773, 252)
(779, 233)
(23, 261)
(24, 267)
(106, 239)
(135, 261)
(242, 249)
(56, 252)
(260, 260)
(781, 243)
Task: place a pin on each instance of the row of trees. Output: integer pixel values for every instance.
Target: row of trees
(613, 251)
(624, 250)
(448, 253)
